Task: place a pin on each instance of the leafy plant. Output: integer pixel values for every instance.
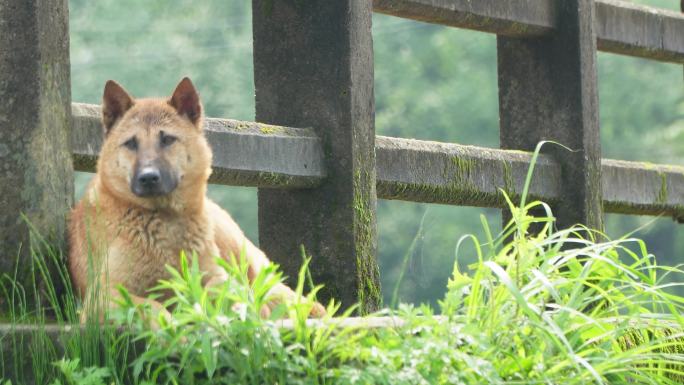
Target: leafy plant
(74, 375)
(217, 334)
(532, 310)
(45, 335)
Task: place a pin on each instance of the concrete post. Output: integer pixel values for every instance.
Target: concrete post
(36, 174)
(313, 67)
(548, 91)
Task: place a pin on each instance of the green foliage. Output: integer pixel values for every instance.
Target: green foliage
(536, 306)
(74, 375)
(546, 307)
(50, 300)
(217, 335)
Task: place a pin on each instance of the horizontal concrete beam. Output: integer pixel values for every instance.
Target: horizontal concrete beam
(433, 172)
(518, 18)
(245, 153)
(253, 154)
(643, 188)
(621, 27)
(635, 30)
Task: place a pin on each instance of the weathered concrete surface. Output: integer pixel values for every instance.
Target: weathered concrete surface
(432, 172)
(621, 27)
(510, 18)
(245, 153)
(86, 135)
(313, 67)
(407, 169)
(548, 91)
(643, 188)
(36, 176)
(635, 30)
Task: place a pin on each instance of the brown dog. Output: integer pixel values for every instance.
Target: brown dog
(147, 202)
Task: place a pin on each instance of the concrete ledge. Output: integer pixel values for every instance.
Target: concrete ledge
(433, 172)
(621, 27)
(635, 30)
(245, 153)
(643, 188)
(253, 154)
(517, 18)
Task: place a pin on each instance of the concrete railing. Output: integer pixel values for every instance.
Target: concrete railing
(259, 155)
(621, 27)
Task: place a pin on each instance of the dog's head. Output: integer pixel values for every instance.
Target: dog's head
(154, 149)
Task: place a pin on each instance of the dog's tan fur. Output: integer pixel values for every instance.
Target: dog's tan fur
(119, 238)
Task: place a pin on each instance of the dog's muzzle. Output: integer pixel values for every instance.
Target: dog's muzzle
(151, 181)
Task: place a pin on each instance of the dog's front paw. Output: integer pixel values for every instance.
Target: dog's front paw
(281, 294)
(317, 311)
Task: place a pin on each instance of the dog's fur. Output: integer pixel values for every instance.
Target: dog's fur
(123, 234)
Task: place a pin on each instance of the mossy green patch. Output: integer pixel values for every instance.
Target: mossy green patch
(275, 179)
(662, 193)
(508, 186)
(241, 126)
(367, 270)
(269, 129)
(460, 168)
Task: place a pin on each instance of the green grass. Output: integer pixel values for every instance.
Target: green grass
(546, 308)
(543, 307)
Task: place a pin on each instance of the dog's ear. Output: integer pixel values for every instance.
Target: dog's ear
(187, 102)
(115, 102)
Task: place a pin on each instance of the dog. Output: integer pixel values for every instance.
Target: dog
(147, 203)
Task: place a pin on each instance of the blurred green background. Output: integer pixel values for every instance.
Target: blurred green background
(431, 82)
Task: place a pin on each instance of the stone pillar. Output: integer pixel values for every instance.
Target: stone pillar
(36, 174)
(313, 67)
(548, 91)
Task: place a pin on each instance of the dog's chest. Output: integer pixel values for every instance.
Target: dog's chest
(164, 233)
(156, 239)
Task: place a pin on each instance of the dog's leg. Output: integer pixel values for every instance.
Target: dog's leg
(282, 293)
(232, 241)
(279, 293)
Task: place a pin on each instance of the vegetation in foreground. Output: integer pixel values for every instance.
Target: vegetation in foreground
(551, 307)
(538, 306)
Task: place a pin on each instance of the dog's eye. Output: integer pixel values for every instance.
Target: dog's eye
(131, 144)
(167, 140)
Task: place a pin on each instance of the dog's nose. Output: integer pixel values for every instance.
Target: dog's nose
(149, 177)
(152, 181)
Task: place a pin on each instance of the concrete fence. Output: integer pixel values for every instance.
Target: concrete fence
(315, 159)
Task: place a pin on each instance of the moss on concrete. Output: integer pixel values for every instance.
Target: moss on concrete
(274, 179)
(662, 192)
(269, 129)
(508, 186)
(367, 269)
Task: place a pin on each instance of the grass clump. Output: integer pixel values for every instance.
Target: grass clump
(547, 307)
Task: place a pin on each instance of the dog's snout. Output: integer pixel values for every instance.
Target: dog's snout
(152, 181)
(149, 177)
